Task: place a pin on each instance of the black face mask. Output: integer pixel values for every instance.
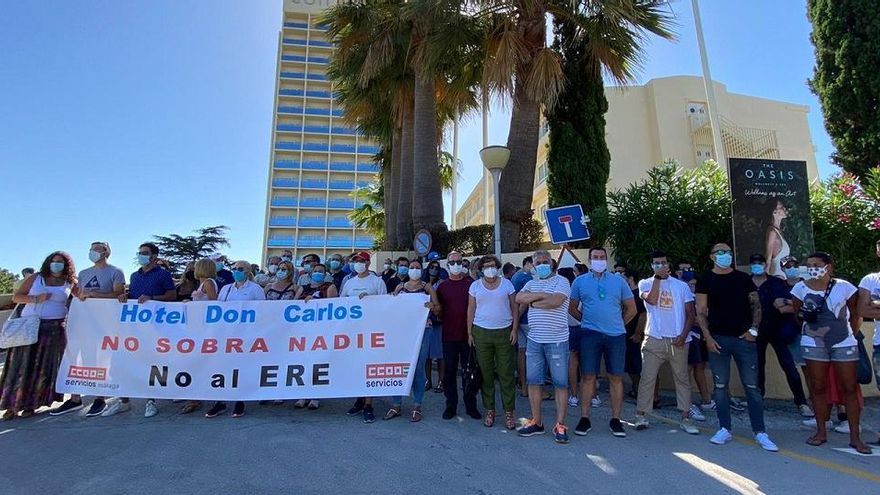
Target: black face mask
(191, 276)
(433, 271)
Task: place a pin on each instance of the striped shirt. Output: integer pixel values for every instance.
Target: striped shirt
(549, 326)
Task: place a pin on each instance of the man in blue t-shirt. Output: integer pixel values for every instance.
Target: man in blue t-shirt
(606, 305)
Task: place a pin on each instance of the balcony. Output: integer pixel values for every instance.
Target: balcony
(312, 222)
(339, 222)
(314, 166)
(342, 167)
(313, 184)
(342, 185)
(312, 203)
(363, 183)
(738, 141)
(303, 58)
(310, 93)
(282, 221)
(302, 75)
(284, 201)
(310, 241)
(346, 204)
(317, 129)
(285, 182)
(297, 25)
(287, 164)
(311, 43)
(368, 167)
(367, 149)
(281, 241)
(294, 110)
(339, 241)
(363, 242)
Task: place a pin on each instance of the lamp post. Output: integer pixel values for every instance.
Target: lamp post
(495, 158)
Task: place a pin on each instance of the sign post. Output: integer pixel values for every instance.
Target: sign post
(567, 224)
(422, 242)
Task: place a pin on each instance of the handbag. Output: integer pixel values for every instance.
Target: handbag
(471, 376)
(19, 331)
(864, 372)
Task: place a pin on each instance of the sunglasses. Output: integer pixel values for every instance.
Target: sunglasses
(239, 269)
(450, 263)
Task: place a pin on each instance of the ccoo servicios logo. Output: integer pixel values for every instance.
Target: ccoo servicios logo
(386, 374)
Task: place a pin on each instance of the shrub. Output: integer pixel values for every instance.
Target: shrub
(681, 212)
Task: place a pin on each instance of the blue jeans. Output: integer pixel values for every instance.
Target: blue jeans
(542, 356)
(418, 384)
(745, 354)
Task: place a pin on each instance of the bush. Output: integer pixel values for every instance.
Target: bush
(474, 240)
(681, 212)
(846, 221)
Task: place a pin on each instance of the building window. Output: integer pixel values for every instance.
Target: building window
(542, 174)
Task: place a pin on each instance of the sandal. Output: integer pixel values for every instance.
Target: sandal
(509, 420)
(416, 415)
(866, 450)
(392, 413)
(489, 420)
(815, 441)
(190, 407)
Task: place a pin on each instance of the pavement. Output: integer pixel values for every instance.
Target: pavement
(276, 449)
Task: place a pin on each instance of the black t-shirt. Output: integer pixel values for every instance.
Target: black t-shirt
(640, 308)
(730, 313)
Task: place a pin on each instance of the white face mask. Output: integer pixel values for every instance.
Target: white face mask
(817, 272)
(598, 266)
(415, 273)
(491, 272)
(360, 267)
(273, 269)
(455, 269)
(94, 256)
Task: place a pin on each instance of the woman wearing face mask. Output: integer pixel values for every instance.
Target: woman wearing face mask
(415, 285)
(188, 283)
(777, 246)
(283, 287)
(204, 272)
(242, 289)
(493, 329)
(28, 378)
(320, 287)
(827, 308)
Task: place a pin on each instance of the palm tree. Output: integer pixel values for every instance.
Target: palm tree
(521, 66)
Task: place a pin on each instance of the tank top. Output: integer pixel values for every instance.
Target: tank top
(428, 323)
(784, 250)
(55, 308)
(316, 292)
(200, 294)
(276, 295)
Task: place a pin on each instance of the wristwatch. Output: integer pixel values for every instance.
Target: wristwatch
(753, 332)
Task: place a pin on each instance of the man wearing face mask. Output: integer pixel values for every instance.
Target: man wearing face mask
(771, 291)
(388, 269)
(308, 262)
(224, 276)
(401, 274)
(268, 278)
(149, 283)
(335, 267)
(364, 283)
(607, 305)
(101, 281)
(287, 255)
(685, 272)
(729, 314)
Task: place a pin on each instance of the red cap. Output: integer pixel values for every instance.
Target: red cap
(363, 255)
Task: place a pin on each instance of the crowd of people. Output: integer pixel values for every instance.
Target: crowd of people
(532, 328)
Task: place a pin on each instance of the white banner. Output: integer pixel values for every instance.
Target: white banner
(249, 350)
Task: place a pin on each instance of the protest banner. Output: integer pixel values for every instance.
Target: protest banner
(771, 210)
(247, 350)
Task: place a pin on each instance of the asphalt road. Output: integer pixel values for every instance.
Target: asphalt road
(275, 449)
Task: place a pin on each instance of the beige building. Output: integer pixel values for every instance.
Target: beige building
(667, 118)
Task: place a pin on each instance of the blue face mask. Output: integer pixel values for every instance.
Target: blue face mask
(318, 277)
(543, 271)
(239, 276)
(757, 269)
(219, 265)
(402, 270)
(334, 265)
(307, 268)
(687, 275)
(724, 260)
(793, 272)
(281, 274)
(56, 267)
(144, 259)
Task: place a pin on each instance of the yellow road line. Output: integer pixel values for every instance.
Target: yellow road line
(840, 468)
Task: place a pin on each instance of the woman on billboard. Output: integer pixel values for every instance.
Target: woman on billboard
(777, 246)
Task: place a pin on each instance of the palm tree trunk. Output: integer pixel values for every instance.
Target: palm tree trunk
(427, 195)
(405, 184)
(517, 181)
(390, 182)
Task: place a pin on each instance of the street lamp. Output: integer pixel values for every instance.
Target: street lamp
(495, 158)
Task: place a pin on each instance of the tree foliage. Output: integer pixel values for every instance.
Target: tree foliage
(846, 36)
(179, 249)
(681, 212)
(846, 221)
(7, 278)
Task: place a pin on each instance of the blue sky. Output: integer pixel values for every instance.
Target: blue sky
(122, 120)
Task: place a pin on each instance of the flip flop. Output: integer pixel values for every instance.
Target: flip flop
(867, 450)
(815, 442)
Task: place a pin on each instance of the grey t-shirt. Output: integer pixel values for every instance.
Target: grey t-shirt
(96, 279)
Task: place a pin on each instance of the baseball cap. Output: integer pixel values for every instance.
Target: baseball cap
(362, 255)
(433, 255)
(788, 259)
(757, 258)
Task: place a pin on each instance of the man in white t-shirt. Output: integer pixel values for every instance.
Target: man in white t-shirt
(364, 283)
(869, 307)
(547, 342)
(670, 307)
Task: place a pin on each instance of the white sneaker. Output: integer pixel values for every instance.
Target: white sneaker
(115, 406)
(314, 404)
(641, 422)
(812, 423)
(687, 425)
(696, 413)
(806, 411)
(150, 409)
(300, 404)
(573, 401)
(596, 401)
(764, 441)
(843, 427)
(708, 406)
(721, 437)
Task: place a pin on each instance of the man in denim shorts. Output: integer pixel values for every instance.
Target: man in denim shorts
(547, 346)
(607, 304)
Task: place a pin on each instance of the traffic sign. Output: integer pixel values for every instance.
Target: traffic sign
(422, 242)
(567, 224)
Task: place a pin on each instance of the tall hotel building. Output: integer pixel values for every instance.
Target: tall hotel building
(317, 160)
